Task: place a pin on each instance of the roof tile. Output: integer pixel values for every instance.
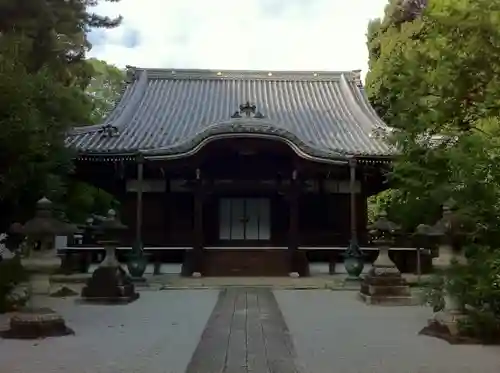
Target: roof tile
(326, 112)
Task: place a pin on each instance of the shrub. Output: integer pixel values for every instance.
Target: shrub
(476, 286)
(11, 274)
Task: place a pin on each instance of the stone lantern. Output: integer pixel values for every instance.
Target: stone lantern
(424, 238)
(42, 230)
(35, 322)
(384, 284)
(447, 233)
(109, 282)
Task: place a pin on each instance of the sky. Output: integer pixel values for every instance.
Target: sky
(266, 35)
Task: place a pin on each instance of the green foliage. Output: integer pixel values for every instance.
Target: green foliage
(465, 169)
(43, 75)
(476, 286)
(434, 78)
(449, 58)
(105, 88)
(83, 199)
(57, 33)
(36, 112)
(11, 274)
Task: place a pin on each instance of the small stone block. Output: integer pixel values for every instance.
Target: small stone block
(294, 274)
(196, 274)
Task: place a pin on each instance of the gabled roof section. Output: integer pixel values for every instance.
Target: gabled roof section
(171, 113)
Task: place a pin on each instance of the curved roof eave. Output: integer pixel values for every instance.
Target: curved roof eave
(244, 127)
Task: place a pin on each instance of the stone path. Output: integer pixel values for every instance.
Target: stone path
(245, 333)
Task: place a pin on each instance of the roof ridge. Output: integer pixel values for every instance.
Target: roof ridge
(215, 74)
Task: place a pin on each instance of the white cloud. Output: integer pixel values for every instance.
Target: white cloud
(240, 34)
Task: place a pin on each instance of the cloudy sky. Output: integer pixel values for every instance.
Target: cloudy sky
(238, 34)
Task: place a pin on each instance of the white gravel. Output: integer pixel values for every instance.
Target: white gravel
(334, 332)
(157, 333)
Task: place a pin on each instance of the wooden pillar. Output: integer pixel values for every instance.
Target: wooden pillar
(198, 223)
(139, 204)
(293, 226)
(352, 194)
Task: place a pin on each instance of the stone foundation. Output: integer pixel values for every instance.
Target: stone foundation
(109, 285)
(36, 323)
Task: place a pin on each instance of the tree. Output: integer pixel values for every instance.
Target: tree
(57, 31)
(43, 75)
(105, 88)
(36, 111)
(448, 58)
(434, 76)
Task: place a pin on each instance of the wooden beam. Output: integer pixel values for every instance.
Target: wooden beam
(293, 228)
(352, 190)
(198, 238)
(139, 206)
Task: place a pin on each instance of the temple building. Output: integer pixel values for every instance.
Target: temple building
(239, 172)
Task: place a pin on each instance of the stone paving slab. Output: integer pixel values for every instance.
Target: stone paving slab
(245, 333)
(335, 332)
(156, 334)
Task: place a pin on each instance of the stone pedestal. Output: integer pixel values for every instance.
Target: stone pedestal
(384, 284)
(110, 284)
(448, 319)
(41, 267)
(35, 323)
(445, 324)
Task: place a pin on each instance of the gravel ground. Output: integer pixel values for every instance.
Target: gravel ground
(334, 332)
(157, 333)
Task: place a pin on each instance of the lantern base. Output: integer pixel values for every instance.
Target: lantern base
(35, 323)
(445, 325)
(385, 286)
(449, 319)
(109, 285)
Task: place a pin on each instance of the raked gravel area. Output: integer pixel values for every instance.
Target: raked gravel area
(156, 334)
(333, 332)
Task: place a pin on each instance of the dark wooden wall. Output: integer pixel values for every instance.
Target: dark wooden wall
(168, 219)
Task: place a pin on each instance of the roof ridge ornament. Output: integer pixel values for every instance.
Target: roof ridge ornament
(109, 130)
(249, 110)
(131, 73)
(356, 77)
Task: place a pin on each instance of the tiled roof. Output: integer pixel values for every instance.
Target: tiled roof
(166, 112)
